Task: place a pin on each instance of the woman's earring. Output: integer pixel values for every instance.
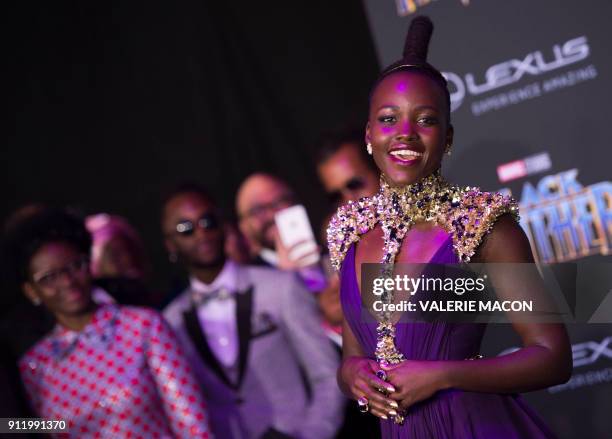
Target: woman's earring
(447, 150)
(36, 301)
(369, 148)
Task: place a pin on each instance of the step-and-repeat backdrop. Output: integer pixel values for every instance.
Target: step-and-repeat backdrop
(531, 90)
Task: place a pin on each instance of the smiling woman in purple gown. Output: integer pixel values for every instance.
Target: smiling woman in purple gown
(414, 375)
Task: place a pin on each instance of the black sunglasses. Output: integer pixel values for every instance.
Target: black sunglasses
(354, 184)
(208, 221)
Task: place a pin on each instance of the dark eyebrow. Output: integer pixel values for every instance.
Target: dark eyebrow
(390, 107)
(395, 107)
(426, 107)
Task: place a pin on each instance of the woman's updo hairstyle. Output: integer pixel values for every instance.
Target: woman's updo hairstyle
(414, 56)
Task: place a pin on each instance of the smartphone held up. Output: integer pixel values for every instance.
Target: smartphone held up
(296, 235)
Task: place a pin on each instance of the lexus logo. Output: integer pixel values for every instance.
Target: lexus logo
(511, 71)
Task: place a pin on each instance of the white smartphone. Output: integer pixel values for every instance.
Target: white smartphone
(294, 227)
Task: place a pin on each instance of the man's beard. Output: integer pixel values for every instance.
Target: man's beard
(262, 239)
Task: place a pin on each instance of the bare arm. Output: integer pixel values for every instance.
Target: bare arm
(545, 358)
(350, 348)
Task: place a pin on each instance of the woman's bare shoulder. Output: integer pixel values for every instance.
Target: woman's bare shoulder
(506, 242)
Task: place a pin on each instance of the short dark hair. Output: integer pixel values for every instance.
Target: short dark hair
(186, 187)
(25, 237)
(330, 142)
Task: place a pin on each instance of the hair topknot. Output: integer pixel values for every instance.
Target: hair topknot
(414, 56)
(416, 48)
(417, 40)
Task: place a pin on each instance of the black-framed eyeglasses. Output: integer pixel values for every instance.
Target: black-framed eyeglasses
(352, 185)
(52, 278)
(259, 209)
(207, 221)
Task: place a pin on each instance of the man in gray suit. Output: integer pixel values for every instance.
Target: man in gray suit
(252, 333)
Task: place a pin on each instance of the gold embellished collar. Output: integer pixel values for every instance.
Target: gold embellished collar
(467, 213)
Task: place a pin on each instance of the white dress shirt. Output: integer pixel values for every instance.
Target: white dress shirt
(217, 316)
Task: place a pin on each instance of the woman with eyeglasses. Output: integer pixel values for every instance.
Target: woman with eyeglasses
(416, 375)
(106, 370)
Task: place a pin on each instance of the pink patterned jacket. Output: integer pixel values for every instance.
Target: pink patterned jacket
(123, 375)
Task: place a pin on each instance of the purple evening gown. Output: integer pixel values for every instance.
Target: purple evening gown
(450, 414)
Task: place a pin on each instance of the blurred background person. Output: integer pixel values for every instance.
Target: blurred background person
(259, 198)
(236, 245)
(347, 173)
(119, 263)
(21, 324)
(117, 249)
(344, 167)
(109, 370)
(252, 333)
(329, 297)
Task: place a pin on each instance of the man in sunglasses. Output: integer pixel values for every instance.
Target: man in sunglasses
(345, 169)
(252, 334)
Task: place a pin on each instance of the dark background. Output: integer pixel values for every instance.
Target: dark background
(112, 103)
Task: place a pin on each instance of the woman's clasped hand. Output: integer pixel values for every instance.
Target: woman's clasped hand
(407, 383)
